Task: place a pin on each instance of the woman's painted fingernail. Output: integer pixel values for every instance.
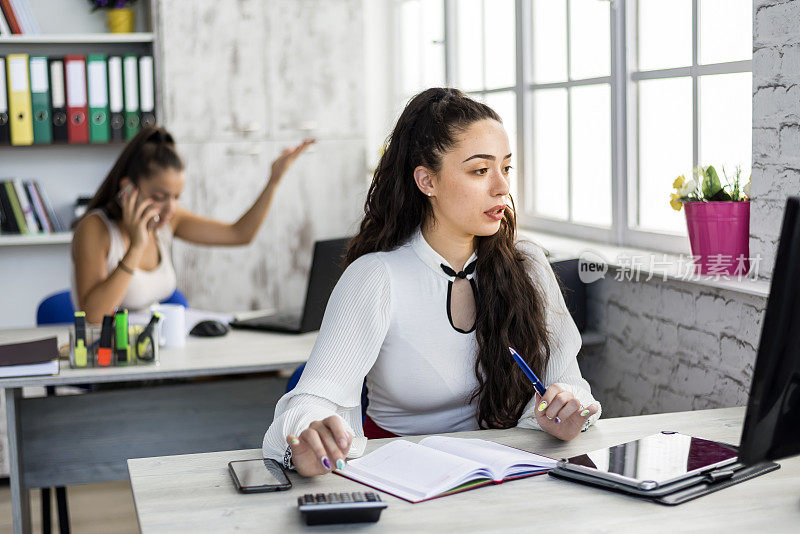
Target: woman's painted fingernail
(542, 406)
(584, 413)
(339, 464)
(326, 463)
(295, 441)
(557, 420)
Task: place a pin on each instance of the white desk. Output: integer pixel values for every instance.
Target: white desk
(194, 493)
(78, 439)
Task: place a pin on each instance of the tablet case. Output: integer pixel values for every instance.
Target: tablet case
(678, 492)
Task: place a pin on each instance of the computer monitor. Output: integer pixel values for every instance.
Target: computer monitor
(772, 423)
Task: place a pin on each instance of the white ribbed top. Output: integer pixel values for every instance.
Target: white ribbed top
(145, 287)
(386, 321)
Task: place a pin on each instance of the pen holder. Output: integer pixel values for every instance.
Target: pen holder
(140, 350)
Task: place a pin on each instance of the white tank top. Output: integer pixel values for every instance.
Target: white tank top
(146, 287)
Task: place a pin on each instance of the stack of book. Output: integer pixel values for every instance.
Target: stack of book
(29, 358)
(75, 99)
(16, 17)
(25, 209)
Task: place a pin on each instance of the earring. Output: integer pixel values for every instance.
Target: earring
(429, 194)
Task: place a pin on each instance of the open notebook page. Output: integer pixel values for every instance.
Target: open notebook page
(502, 461)
(411, 471)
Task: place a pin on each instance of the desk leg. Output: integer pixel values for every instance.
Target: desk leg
(20, 499)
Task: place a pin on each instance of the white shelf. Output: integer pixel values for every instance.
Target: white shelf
(85, 38)
(60, 238)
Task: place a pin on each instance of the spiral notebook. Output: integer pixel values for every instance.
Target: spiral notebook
(440, 465)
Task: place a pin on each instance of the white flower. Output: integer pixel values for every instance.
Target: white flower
(746, 190)
(688, 187)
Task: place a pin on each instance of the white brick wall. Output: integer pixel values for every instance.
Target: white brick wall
(776, 122)
(670, 346)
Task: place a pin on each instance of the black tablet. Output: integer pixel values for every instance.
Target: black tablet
(653, 461)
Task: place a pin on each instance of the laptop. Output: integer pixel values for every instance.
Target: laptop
(326, 267)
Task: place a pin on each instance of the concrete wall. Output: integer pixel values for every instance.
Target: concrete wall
(249, 84)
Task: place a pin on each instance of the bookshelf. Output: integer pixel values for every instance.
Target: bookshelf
(64, 171)
(58, 238)
(82, 38)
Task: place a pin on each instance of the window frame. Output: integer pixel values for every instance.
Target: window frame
(623, 82)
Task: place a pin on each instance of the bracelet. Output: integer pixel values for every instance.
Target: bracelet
(287, 458)
(124, 267)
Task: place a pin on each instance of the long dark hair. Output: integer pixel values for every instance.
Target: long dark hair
(152, 149)
(510, 307)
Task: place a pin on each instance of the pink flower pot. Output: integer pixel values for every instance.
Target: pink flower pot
(719, 234)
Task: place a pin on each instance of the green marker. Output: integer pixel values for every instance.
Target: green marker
(122, 348)
(80, 339)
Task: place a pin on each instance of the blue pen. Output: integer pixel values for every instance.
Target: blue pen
(528, 372)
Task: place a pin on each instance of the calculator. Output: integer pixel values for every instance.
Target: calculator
(329, 508)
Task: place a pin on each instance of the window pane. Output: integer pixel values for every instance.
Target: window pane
(549, 41)
(410, 52)
(550, 142)
(726, 30)
(665, 149)
(665, 34)
(501, 43)
(590, 131)
(505, 104)
(589, 38)
(725, 122)
(433, 43)
(469, 29)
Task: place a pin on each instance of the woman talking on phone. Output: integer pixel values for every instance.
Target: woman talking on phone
(435, 292)
(121, 248)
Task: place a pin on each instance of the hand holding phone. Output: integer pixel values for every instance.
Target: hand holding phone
(253, 476)
(139, 215)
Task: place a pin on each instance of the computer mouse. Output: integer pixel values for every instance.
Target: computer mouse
(209, 328)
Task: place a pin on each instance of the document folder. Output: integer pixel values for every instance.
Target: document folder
(97, 85)
(115, 100)
(5, 127)
(40, 100)
(75, 74)
(19, 99)
(58, 101)
(130, 67)
(147, 96)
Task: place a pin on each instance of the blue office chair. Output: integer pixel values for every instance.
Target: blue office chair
(295, 378)
(57, 308)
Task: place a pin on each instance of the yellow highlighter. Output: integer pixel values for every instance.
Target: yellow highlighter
(81, 358)
(146, 346)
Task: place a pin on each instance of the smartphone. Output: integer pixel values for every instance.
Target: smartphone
(124, 191)
(253, 476)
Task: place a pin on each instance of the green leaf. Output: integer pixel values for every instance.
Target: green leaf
(711, 185)
(720, 195)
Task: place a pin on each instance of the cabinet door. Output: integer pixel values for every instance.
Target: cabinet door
(317, 63)
(214, 68)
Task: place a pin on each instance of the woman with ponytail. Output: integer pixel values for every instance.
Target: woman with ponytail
(121, 249)
(436, 290)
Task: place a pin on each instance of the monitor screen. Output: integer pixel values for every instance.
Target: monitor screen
(773, 411)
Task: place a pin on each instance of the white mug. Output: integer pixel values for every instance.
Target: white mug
(172, 327)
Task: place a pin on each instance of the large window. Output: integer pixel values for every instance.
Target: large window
(692, 86)
(607, 101)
